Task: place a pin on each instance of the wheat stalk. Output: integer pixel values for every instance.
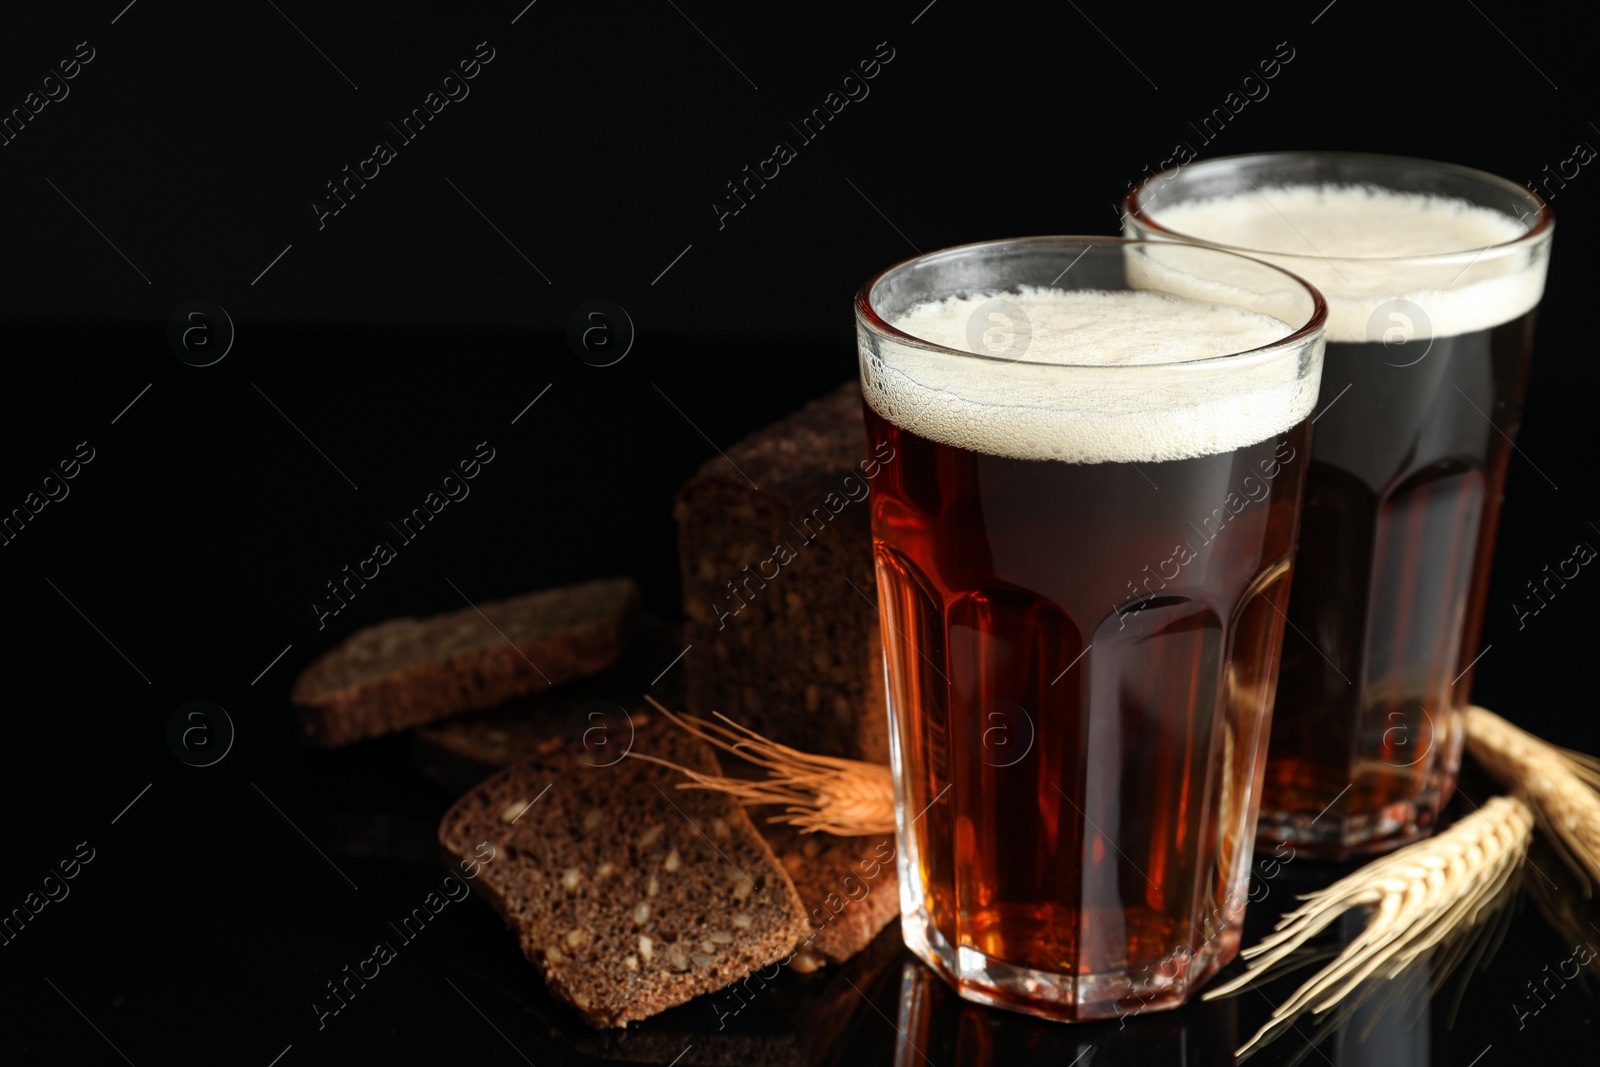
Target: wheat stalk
(1559, 785)
(846, 797)
(1419, 895)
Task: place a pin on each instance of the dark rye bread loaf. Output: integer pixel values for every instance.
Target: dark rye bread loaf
(628, 894)
(409, 671)
(778, 585)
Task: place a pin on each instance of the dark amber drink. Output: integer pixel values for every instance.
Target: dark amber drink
(1405, 561)
(1432, 274)
(1084, 543)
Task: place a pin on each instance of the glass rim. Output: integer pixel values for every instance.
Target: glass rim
(1316, 324)
(1538, 232)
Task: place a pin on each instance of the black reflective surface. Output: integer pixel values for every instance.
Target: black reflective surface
(366, 353)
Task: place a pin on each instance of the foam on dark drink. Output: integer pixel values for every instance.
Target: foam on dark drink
(1004, 408)
(1318, 225)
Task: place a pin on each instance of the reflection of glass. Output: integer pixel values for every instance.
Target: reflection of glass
(938, 1027)
(1083, 537)
(1386, 1022)
(1433, 274)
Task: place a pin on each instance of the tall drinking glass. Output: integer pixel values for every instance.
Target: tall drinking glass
(1084, 531)
(1432, 274)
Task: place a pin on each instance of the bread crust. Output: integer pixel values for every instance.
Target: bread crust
(787, 641)
(405, 672)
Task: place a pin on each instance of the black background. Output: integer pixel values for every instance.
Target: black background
(411, 327)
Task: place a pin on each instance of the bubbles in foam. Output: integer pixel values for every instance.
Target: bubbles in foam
(1100, 328)
(1074, 396)
(1363, 231)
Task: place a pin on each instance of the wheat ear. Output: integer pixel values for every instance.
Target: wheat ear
(846, 797)
(1419, 895)
(1559, 785)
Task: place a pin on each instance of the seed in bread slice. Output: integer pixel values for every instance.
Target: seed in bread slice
(628, 894)
(409, 671)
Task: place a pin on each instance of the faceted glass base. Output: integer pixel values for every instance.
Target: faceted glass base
(1345, 830)
(1069, 998)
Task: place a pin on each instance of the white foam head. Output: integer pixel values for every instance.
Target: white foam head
(1061, 384)
(1349, 240)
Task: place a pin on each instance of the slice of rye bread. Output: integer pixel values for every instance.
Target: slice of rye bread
(409, 671)
(778, 584)
(850, 887)
(628, 894)
(529, 726)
